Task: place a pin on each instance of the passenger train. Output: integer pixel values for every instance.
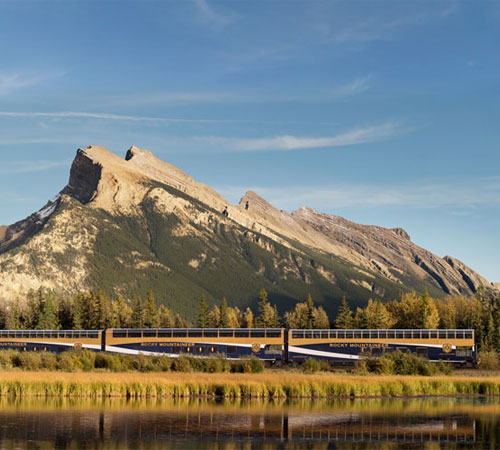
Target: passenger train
(276, 345)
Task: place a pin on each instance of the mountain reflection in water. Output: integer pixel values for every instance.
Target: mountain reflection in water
(201, 423)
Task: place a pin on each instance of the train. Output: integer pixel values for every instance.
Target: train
(272, 345)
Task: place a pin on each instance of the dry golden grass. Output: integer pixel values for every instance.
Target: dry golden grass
(266, 385)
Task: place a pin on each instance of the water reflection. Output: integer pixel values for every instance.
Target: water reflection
(203, 424)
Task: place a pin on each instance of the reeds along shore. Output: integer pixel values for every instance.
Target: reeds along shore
(277, 385)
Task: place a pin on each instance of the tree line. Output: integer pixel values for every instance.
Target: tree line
(46, 309)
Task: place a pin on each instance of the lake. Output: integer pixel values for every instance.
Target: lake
(472, 422)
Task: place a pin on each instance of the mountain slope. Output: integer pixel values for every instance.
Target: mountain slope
(128, 225)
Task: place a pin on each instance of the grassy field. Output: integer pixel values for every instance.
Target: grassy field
(266, 385)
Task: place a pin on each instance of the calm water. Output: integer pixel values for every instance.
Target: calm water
(203, 424)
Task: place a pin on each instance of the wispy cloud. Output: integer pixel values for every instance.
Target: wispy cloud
(327, 94)
(430, 194)
(29, 166)
(288, 143)
(91, 115)
(207, 14)
(14, 81)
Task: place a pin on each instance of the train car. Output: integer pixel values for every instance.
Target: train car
(266, 344)
(348, 346)
(55, 341)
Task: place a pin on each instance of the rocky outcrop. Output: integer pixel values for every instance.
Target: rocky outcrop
(391, 253)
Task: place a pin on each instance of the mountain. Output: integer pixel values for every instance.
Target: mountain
(134, 224)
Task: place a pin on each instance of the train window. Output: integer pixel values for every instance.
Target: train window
(460, 334)
(200, 349)
(340, 334)
(423, 352)
(165, 333)
(179, 333)
(402, 349)
(407, 334)
(231, 349)
(176, 349)
(425, 334)
(374, 334)
(442, 334)
(195, 333)
(187, 349)
(273, 333)
(298, 334)
(382, 334)
(119, 333)
(468, 335)
(226, 333)
(357, 334)
(324, 335)
(333, 334)
(211, 333)
(83, 334)
(93, 334)
(257, 333)
(417, 334)
(19, 334)
(391, 334)
(134, 333)
(12, 334)
(399, 334)
(212, 349)
(308, 334)
(150, 333)
(316, 334)
(242, 333)
(365, 334)
(348, 334)
(26, 334)
(451, 334)
(434, 334)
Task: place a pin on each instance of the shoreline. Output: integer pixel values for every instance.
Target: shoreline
(226, 385)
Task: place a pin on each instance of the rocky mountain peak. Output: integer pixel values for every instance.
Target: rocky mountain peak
(402, 233)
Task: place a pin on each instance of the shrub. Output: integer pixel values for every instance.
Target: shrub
(114, 363)
(6, 359)
(182, 364)
(28, 360)
(49, 360)
(380, 365)
(488, 361)
(248, 364)
(66, 362)
(216, 364)
(311, 365)
(86, 359)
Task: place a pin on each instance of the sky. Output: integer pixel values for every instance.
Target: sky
(385, 112)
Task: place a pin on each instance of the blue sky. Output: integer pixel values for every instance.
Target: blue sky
(383, 112)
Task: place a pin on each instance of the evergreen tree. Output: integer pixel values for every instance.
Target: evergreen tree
(345, 319)
(166, 317)
(202, 321)
(48, 315)
(224, 316)
(179, 322)
(248, 318)
(310, 312)
(137, 314)
(150, 316)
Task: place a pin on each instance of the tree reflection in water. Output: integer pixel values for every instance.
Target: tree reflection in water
(202, 423)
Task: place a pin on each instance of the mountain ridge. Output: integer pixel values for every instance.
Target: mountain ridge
(182, 233)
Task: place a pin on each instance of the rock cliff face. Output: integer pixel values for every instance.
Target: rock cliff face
(138, 222)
